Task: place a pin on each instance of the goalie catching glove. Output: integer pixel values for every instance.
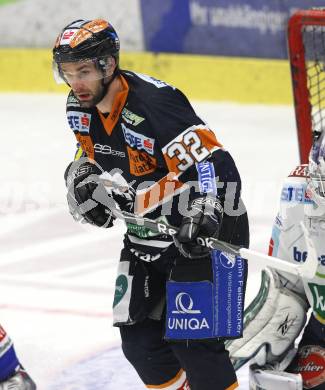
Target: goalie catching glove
(87, 197)
(205, 222)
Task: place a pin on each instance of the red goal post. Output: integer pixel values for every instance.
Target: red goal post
(306, 44)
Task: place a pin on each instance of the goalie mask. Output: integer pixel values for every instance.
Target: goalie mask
(316, 170)
(88, 43)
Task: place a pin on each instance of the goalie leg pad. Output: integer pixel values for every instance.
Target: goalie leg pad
(260, 378)
(272, 321)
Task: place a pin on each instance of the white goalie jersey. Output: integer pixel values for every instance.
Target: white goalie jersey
(276, 317)
(288, 243)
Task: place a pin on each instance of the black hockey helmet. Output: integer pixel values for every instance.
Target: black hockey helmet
(83, 40)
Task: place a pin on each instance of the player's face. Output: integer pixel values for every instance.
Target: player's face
(85, 80)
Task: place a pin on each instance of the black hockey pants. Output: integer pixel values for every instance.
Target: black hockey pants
(158, 363)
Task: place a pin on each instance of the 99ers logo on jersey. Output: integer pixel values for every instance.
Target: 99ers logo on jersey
(79, 121)
(311, 365)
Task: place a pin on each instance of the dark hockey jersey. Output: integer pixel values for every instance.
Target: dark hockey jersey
(151, 143)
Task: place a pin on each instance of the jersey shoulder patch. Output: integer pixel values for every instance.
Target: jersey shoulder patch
(79, 118)
(79, 121)
(300, 171)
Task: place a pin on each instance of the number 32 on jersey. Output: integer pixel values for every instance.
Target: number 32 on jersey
(193, 145)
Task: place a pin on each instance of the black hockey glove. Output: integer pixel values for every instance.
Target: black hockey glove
(205, 222)
(87, 197)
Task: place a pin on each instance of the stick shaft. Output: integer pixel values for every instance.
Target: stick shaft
(213, 243)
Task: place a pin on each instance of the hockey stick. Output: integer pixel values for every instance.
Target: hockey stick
(305, 270)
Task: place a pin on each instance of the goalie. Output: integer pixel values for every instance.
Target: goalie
(276, 317)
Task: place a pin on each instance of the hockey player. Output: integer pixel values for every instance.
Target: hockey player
(12, 374)
(141, 138)
(275, 318)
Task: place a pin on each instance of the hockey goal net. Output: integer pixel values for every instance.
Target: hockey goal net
(306, 43)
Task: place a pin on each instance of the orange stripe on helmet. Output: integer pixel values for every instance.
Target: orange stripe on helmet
(96, 25)
(87, 30)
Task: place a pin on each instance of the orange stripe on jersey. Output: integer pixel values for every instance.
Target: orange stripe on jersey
(233, 386)
(208, 139)
(117, 107)
(193, 145)
(157, 194)
(174, 163)
(167, 385)
(86, 145)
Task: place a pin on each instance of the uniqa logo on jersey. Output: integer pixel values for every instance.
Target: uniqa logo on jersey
(189, 310)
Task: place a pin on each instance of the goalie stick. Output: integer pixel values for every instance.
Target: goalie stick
(305, 270)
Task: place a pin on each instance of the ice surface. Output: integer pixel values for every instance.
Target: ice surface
(57, 277)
